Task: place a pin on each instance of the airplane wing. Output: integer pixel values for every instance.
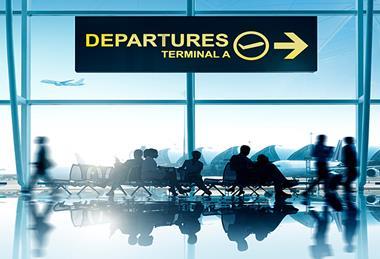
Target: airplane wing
(67, 81)
(48, 81)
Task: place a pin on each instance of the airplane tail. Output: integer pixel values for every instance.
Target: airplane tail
(80, 81)
(337, 155)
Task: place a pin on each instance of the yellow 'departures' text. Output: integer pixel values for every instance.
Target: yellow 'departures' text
(162, 40)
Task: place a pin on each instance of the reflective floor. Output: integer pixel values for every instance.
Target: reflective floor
(96, 227)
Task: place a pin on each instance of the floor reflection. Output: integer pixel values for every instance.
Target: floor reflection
(140, 222)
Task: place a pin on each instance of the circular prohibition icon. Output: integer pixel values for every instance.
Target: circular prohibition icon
(239, 47)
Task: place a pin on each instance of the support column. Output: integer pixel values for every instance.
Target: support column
(366, 97)
(190, 96)
(25, 89)
(13, 92)
(359, 72)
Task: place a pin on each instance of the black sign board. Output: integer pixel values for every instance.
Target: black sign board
(196, 44)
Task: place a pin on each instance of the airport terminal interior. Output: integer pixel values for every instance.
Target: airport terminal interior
(92, 122)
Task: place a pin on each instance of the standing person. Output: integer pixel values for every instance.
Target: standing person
(42, 164)
(350, 162)
(322, 154)
(192, 169)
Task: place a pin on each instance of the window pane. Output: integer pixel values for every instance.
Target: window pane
(376, 58)
(275, 5)
(148, 5)
(4, 87)
(53, 59)
(98, 134)
(221, 127)
(335, 78)
(7, 160)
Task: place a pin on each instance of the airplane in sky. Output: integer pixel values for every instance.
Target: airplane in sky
(64, 83)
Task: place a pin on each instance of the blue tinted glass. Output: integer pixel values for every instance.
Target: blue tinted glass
(210, 5)
(335, 78)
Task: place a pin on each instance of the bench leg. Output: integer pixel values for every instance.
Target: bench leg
(81, 190)
(123, 191)
(65, 189)
(94, 189)
(216, 188)
(138, 188)
(149, 193)
(235, 192)
(253, 191)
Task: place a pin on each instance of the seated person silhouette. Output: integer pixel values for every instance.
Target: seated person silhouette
(260, 172)
(150, 171)
(192, 169)
(267, 172)
(121, 171)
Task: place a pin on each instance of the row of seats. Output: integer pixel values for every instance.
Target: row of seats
(91, 176)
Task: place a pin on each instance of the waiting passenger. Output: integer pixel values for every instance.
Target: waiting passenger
(150, 171)
(262, 171)
(267, 172)
(192, 169)
(122, 171)
(243, 166)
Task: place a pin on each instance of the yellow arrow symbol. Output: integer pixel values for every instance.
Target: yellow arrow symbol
(297, 45)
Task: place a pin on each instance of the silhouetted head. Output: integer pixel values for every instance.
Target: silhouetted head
(244, 150)
(260, 236)
(137, 154)
(321, 139)
(349, 140)
(145, 240)
(41, 140)
(262, 159)
(132, 240)
(147, 152)
(242, 245)
(154, 153)
(192, 239)
(196, 155)
(150, 152)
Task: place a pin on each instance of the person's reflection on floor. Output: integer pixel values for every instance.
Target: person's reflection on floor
(258, 221)
(321, 249)
(40, 226)
(188, 223)
(127, 222)
(267, 221)
(239, 230)
(350, 223)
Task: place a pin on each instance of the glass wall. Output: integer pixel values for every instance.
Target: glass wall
(223, 118)
(99, 134)
(7, 161)
(56, 34)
